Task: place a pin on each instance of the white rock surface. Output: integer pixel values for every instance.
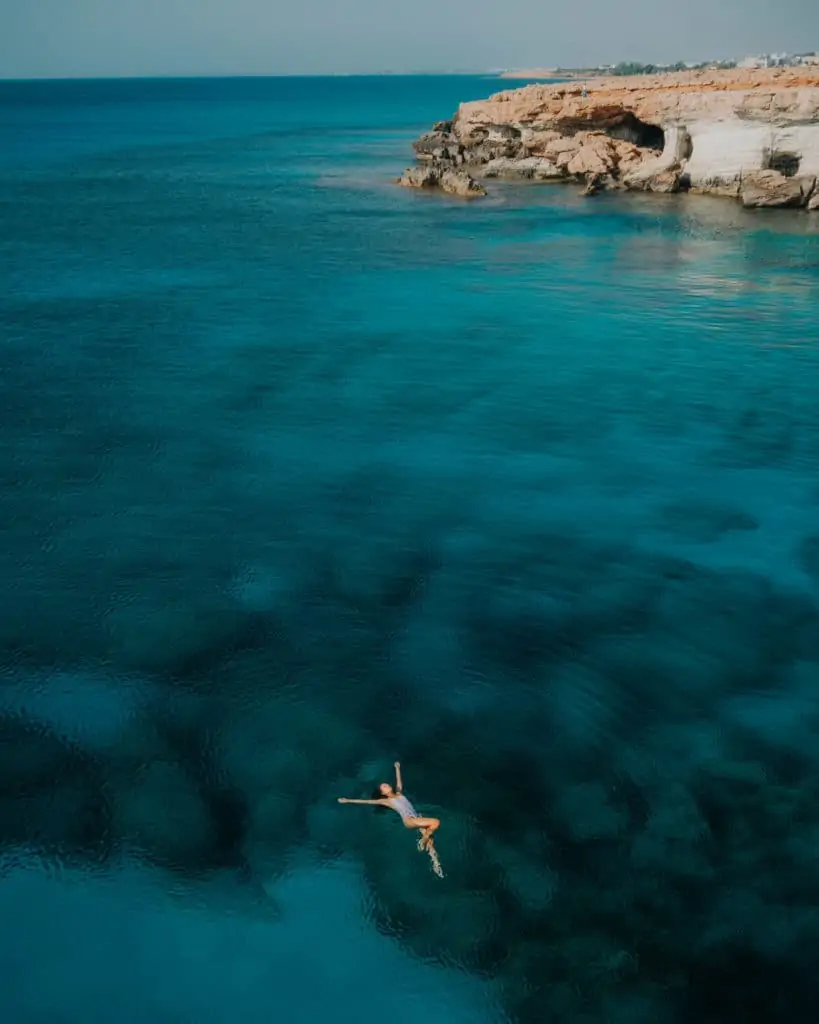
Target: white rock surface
(801, 139)
(723, 150)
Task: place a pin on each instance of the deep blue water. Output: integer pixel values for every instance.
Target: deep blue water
(303, 473)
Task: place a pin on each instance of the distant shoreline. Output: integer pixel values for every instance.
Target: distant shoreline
(526, 73)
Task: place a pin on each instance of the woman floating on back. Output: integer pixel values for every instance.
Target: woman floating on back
(386, 796)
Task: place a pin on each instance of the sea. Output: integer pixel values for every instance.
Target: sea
(303, 474)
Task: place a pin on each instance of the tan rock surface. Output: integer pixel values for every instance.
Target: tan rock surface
(597, 155)
(786, 94)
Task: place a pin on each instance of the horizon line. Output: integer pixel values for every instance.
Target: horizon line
(195, 76)
(267, 74)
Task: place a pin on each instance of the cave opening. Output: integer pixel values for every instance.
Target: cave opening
(639, 133)
(786, 163)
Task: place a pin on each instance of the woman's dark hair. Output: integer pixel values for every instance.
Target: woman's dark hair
(378, 795)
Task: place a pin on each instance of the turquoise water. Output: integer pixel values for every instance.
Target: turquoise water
(303, 473)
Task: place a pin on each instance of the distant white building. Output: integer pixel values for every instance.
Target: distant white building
(779, 60)
(753, 62)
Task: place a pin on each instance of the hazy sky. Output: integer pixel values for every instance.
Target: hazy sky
(179, 37)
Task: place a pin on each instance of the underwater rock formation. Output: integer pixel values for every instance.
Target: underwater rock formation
(660, 714)
(749, 134)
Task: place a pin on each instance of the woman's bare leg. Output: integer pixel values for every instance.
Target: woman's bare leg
(427, 826)
(426, 837)
(433, 856)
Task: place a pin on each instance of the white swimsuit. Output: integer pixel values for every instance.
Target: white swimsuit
(400, 803)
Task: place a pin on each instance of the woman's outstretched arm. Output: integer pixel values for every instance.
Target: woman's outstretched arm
(399, 786)
(344, 800)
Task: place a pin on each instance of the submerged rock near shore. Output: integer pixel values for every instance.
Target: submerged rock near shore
(444, 177)
(752, 135)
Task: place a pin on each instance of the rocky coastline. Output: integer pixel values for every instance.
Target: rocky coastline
(751, 135)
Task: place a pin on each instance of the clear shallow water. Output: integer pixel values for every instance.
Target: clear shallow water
(303, 473)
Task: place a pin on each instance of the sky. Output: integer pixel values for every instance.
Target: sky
(91, 38)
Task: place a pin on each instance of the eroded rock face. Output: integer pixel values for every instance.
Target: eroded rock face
(772, 189)
(536, 168)
(699, 131)
(664, 181)
(459, 183)
(443, 177)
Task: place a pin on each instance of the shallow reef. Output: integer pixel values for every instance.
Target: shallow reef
(619, 746)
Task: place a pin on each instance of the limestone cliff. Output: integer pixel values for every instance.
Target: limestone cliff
(749, 134)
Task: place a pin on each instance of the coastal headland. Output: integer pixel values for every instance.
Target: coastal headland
(747, 134)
